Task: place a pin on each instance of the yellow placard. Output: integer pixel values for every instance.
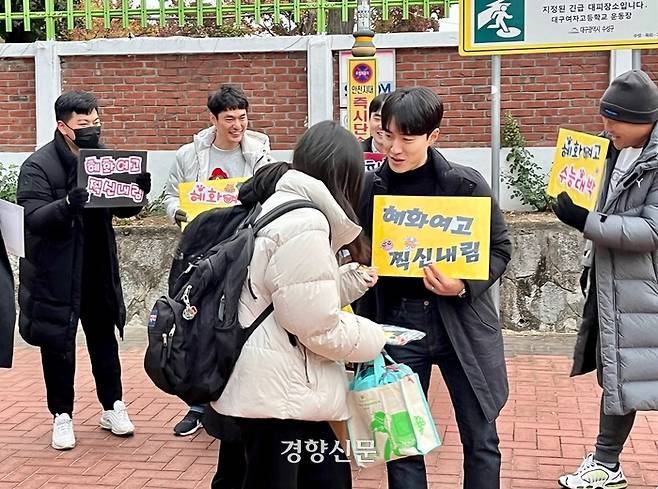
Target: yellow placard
(411, 232)
(579, 167)
(361, 89)
(198, 197)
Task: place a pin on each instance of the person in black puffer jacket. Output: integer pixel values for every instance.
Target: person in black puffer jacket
(71, 271)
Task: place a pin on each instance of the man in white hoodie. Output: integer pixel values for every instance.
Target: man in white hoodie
(224, 150)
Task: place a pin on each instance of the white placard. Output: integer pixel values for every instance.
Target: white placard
(12, 227)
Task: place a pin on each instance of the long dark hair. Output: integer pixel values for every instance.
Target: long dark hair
(334, 156)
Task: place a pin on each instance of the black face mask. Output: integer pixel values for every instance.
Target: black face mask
(87, 137)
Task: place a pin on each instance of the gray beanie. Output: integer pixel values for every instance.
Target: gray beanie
(631, 97)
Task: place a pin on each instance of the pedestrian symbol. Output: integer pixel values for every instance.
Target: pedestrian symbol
(499, 20)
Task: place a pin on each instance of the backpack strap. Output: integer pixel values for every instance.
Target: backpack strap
(258, 321)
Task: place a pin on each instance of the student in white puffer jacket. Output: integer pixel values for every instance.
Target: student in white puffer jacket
(290, 379)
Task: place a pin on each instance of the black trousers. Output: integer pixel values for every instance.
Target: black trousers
(231, 466)
(614, 430)
(290, 454)
(59, 369)
(479, 437)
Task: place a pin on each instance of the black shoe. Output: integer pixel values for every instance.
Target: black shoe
(189, 424)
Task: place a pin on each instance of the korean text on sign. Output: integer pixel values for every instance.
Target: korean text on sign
(198, 197)
(110, 177)
(410, 233)
(579, 167)
(362, 88)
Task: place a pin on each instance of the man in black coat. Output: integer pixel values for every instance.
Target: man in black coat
(7, 309)
(463, 335)
(70, 272)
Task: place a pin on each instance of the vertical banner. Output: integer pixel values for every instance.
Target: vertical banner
(109, 177)
(412, 232)
(362, 88)
(578, 168)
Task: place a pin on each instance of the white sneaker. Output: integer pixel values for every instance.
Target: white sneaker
(117, 420)
(592, 475)
(63, 436)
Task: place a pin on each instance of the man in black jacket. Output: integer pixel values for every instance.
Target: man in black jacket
(463, 335)
(70, 272)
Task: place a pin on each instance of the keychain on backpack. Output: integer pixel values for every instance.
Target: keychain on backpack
(190, 311)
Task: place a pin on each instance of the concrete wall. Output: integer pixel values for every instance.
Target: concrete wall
(539, 292)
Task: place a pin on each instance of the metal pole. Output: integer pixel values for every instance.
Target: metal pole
(637, 59)
(495, 150)
(495, 126)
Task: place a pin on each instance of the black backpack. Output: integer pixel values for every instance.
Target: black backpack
(195, 338)
(199, 238)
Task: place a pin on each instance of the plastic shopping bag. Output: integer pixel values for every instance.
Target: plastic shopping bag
(390, 416)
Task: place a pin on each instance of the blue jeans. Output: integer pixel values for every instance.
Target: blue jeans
(479, 437)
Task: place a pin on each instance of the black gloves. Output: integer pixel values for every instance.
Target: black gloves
(143, 181)
(570, 213)
(77, 198)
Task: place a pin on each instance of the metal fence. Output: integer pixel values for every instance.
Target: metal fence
(160, 11)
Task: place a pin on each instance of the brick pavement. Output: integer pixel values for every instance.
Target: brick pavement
(546, 428)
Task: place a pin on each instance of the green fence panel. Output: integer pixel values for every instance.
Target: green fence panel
(277, 12)
(70, 22)
(219, 12)
(238, 12)
(124, 13)
(198, 12)
(87, 6)
(107, 8)
(8, 21)
(181, 12)
(297, 11)
(143, 16)
(26, 15)
(50, 19)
